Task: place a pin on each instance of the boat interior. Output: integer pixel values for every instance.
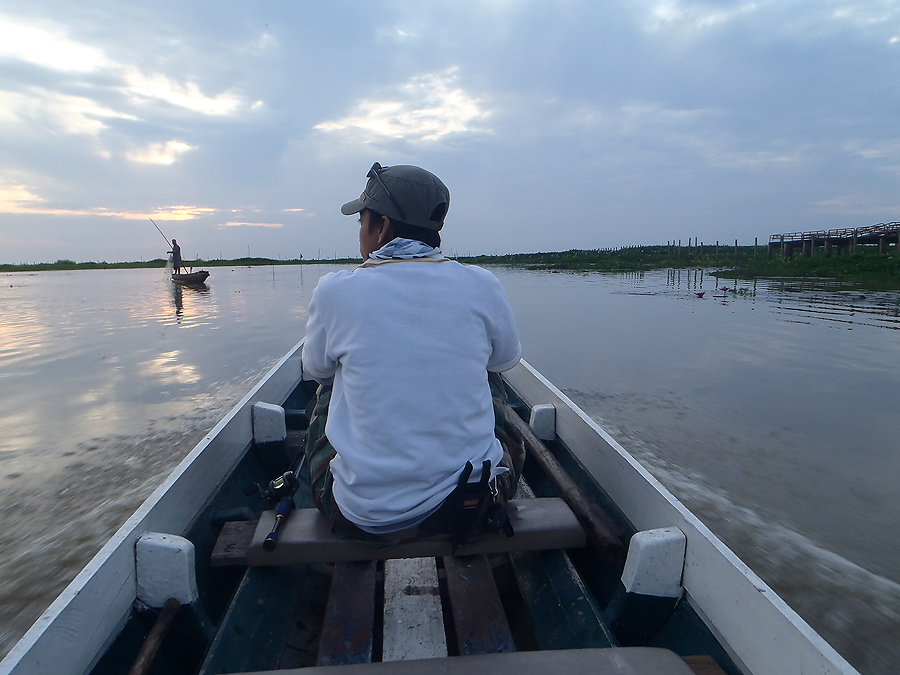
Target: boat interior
(549, 598)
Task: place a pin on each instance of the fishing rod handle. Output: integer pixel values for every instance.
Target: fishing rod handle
(285, 506)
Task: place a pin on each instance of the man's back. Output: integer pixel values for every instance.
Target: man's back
(409, 344)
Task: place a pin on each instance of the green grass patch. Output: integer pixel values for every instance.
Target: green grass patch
(865, 265)
(630, 259)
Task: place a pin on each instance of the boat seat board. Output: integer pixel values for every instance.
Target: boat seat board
(233, 543)
(305, 537)
(704, 665)
(616, 661)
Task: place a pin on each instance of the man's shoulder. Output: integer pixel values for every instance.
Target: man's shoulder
(342, 283)
(477, 272)
(333, 278)
(450, 269)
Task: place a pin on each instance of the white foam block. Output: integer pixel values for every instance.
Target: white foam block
(268, 423)
(164, 564)
(655, 563)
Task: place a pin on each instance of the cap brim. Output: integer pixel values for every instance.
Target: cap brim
(350, 208)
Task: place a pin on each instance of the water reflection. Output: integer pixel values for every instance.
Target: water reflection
(838, 304)
(686, 278)
(840, 307)
(170, 368)
(738, 399)
(177, 300)
(178, 294)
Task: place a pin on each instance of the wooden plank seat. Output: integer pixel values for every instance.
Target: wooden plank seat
(305, 537)
(615, 661)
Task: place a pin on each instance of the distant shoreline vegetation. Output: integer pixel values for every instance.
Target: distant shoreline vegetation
(727, 261)
(159, 263)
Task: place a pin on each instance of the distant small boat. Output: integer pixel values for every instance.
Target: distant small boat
(190, 277)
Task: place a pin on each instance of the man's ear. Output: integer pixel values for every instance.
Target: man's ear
(386, 230)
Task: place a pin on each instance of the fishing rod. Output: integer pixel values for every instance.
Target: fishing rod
(161, 232)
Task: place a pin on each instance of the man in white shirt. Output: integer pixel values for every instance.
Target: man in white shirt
(402, 347)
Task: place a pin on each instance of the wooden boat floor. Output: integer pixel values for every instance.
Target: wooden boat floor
(615, 661)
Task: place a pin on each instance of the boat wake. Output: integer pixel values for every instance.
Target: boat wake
(853, 609)
(96, 488)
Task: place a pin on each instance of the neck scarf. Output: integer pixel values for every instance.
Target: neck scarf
(406, 249)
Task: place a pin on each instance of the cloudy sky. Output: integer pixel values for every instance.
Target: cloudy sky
(241, 127)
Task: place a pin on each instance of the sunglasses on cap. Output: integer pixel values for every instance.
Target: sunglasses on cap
(373, 173)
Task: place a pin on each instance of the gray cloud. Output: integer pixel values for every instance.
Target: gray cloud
(571, 124)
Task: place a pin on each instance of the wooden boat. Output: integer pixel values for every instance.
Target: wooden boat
(190, 278)
(189, 584)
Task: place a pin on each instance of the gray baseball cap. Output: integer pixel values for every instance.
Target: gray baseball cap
(406, 193)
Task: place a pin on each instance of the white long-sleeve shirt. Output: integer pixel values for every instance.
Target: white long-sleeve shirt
(408, 345)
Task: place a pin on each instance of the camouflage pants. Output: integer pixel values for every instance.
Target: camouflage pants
(320, 452)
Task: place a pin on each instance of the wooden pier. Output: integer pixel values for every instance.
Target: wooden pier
(840, 240)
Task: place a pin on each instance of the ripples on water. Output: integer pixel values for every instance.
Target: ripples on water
(769, 408)
(107, 379)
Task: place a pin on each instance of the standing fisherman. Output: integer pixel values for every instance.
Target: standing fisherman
(176, 256)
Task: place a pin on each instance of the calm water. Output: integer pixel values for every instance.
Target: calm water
(770, 411)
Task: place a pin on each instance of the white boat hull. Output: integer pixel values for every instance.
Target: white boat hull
(760, 632)
(75, 630)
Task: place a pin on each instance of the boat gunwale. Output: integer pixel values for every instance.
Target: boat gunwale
(68, 631)
(190, 278)
(726, 594)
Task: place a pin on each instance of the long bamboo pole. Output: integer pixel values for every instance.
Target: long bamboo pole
(160, 231)
(144, 660)
(601, 530)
